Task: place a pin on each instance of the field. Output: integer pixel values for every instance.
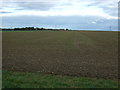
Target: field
(38, 80)
(66, 53)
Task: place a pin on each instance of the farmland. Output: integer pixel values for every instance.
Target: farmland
(38, 80)
(71, 53)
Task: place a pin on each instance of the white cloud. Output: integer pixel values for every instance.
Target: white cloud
(62, 8)
(74, 14)
(101, 9)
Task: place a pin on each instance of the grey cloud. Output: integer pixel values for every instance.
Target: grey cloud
(19, 9)
(36, 5)
(95, 3)
(112, 12)
(2, 12)
(105, 6)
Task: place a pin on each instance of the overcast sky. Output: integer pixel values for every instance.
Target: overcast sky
(71, 14)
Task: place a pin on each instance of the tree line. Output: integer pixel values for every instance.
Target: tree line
(31, 29)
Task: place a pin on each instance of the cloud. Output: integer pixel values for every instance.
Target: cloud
(71, 22)
(104, 8)
(61, 8)
(4, 12)
(109, 6)
(74, 14)
(41, 6)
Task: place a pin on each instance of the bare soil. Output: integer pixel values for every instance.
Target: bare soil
(73, 53)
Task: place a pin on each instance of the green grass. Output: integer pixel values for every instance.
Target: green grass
(37, 80)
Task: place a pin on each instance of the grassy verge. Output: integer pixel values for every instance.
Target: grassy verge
(37, 80)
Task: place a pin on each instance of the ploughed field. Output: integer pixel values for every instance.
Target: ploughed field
(73, 53)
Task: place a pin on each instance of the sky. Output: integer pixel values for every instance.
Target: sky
(71, 14)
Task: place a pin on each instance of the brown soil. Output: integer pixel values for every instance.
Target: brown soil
(85, 54)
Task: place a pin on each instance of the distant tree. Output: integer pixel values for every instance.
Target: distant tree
(67, 29)
(42, 28)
